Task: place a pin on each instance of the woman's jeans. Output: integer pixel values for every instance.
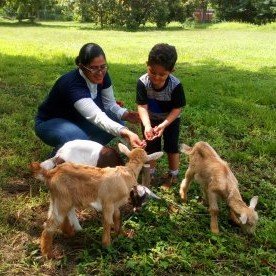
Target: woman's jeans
(56, 132)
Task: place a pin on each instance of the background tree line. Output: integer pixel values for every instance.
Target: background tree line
(133, 13)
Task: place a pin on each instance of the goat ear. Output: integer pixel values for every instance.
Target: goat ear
(243, 218)
(123, 149)
(253, 202)
(150, 193)
(154, 156)
(140, 190)
(185, 148)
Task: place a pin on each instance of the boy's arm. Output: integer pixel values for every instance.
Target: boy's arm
(158, 130)
(178, 101)
(144, 115)
(142, 100)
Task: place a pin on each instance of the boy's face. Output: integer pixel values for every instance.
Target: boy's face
(157, 75)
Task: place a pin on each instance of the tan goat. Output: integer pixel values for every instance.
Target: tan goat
(79, 186)
(217, 180)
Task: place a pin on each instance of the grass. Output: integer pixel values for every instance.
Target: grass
(228, 71)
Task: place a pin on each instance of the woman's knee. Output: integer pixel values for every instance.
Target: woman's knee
(57, 132)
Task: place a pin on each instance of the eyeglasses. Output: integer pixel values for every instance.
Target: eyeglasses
(96, 69)
(162, 76)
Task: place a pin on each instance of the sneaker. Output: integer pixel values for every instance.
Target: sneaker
(168, 180)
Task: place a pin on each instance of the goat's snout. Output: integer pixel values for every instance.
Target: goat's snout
(137, 200)
(138, 196)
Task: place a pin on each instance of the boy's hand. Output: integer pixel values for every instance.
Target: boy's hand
(149, 134)
(158, 130)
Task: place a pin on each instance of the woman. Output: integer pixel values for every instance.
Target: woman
(81, 105)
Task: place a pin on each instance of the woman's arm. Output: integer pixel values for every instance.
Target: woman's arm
(109, 102)
(88, 109)
(94, 114)
(133, 138)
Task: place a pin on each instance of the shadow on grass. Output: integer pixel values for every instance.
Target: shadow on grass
(96, 27)
(214, 93)
(232, 109)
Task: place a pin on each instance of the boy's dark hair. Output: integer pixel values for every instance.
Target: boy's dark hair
(88, 52)
(163, 54)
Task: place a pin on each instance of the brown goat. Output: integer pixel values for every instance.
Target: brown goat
(78, 186)
(217, 180)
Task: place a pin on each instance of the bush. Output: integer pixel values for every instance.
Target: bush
(160, 14)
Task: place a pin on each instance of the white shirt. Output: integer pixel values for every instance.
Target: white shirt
(88, 108)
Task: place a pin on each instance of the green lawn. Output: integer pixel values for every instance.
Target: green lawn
(228, 71)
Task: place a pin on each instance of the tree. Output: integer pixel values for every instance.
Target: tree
(176, 11)
(253, 11)
(136, 12)
(28, 9)
(265, 11)
(160, 14)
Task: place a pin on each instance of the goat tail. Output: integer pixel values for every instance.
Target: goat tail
(201, 148)
(38, 171)
(186, 149)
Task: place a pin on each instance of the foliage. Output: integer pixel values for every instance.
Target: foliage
(134, 13)
(160, 13)
(23, 9)
(254, 11)
(265, 11)
(228, 72)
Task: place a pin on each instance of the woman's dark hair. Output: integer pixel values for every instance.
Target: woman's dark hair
(163, 54)
(88, 52)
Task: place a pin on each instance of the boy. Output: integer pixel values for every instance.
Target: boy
(160, 97)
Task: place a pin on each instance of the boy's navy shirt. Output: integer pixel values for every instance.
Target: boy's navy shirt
(160, 101)
(67, 90)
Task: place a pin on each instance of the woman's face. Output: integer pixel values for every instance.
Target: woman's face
(96, 70)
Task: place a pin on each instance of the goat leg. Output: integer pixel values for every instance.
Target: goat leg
(213, 210)
(108, 212)
(67, 229)
(117, 221)
(146, 178)
(46, 243)
(214, 221)
(185, 184)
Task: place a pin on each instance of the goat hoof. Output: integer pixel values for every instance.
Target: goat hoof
(215, 231)
(106, 244)
(48, 256)
(183, 198)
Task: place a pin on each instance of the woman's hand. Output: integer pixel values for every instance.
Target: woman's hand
(132, 117)
(133, 138)
(120, 103)
(136, 142)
